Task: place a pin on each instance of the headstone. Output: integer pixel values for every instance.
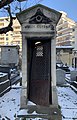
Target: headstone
(60, 77)
(73, 75)
(9, 54)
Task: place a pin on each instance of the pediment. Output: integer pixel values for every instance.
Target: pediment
(39, 14)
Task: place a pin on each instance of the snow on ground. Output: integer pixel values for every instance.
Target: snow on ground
(67, 76)
(67, 99)
(10, 104)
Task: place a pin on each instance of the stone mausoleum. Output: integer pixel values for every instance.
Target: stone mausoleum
(39, 62)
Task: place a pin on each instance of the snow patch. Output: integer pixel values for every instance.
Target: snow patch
(67, 99)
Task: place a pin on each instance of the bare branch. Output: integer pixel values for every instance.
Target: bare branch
(9, 27)
(5, 2)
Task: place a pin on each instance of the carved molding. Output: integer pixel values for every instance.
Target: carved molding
(39, 18)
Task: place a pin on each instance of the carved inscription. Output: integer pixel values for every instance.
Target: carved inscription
(39, 26)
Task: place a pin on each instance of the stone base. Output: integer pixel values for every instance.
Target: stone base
(36, 111)
(3, 77)
(4, 86)
(23, 98)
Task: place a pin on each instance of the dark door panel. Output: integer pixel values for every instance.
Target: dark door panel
(39, 92)
(39, 72)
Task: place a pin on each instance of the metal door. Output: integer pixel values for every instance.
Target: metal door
(39, 80)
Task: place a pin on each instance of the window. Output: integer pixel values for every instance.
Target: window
(39, 51)
(73, 42)
(11, 34)
(73, 29)
(6, 34)
(6, 38)
(7, 43)
(2, 38)
(1, 24)
(17, 27)
(73, 36)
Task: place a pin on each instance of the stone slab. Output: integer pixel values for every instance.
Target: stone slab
(3, 77)
(60, 77)
(49, 113)
(73, 75)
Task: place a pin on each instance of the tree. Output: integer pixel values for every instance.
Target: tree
(9, 27)
(4, 3)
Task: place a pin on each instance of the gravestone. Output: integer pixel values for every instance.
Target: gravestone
(9, 54)
(60, 77)
(73, 75)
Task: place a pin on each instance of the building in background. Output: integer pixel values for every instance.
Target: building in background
(64, 54)
(12, 37)
(65, 28)
(75, 48)
(75, 35)
(65, 32)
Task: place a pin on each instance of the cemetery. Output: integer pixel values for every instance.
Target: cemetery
(44, 87)
(9, 71)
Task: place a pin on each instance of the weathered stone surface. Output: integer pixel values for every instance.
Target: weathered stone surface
(60, 77)
(39, 23)
(73, 75)
(9, 55)
(45, 113)
(25, 15)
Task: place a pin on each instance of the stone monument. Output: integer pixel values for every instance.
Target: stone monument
(60, 77)
(39, 62)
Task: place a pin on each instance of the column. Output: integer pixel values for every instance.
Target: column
(53, 72)
(23, 98)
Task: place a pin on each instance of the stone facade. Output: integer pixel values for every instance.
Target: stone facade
(38, 23)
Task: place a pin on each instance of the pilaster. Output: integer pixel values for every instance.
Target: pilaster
(23, 98)
(53, 71)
